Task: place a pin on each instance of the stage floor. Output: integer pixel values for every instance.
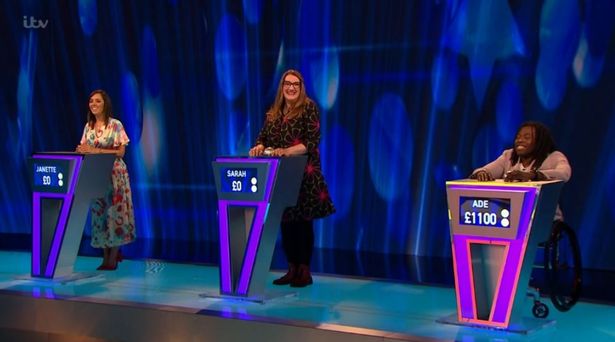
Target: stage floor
(369, 308)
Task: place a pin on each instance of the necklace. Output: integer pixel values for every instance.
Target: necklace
(99, 130)
(524, 168)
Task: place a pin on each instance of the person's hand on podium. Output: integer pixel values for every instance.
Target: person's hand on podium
(482, 176)
(85, 148)
(279, 152)
(524, 176)
(260, 150)
(257, 150)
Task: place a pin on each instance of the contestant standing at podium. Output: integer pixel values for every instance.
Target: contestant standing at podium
(113, 222)
(292, 127)
(533, 157)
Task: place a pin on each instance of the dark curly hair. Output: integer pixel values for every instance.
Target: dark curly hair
(543, 146)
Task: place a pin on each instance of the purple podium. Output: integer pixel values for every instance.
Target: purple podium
(495, 230)
(63, 184)
(252, 196)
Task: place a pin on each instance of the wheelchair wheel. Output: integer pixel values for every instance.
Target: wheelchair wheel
(562, 261)
(540, 310)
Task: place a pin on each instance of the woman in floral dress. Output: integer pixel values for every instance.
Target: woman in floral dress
(113, 223)
(292, 127)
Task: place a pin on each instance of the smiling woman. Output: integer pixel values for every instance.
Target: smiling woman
(112, 216)
(292, 127)
(533, 158)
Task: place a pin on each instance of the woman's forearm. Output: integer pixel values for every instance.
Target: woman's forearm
(296, 150)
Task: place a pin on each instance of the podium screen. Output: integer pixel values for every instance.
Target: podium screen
(486, 212)
(50, 175)
(239, 180)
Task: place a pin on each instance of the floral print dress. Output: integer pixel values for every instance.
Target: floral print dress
(113, 220)
(314, 200)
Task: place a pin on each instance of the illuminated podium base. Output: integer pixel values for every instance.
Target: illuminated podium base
(265, 298)
(525, 325)
(70, 279)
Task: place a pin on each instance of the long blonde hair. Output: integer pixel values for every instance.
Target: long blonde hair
(278, 105)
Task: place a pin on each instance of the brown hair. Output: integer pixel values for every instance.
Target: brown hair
(107, 108)
(278, 105)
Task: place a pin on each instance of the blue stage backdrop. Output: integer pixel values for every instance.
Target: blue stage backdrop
(411, 94)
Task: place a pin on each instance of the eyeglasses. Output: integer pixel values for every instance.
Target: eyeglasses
(288, 84)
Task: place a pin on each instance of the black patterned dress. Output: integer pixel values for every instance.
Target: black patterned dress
(314, 200)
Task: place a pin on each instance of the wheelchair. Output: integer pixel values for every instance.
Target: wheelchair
(561, 264)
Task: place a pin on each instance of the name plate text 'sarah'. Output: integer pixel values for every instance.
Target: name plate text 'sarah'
(239, 180)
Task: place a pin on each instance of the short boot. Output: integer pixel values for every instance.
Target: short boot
(303, 277)
(288, 277)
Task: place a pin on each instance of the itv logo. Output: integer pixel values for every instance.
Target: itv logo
(33, 23)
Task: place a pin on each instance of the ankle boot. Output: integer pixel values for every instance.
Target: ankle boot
(288, 277)
(303, 277)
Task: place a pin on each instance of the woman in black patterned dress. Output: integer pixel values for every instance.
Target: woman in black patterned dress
(292, 127)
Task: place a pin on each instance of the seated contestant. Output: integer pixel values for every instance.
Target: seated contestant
(292, 127)
(113, 222)
(533, 157)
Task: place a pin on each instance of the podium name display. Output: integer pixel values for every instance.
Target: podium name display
(239, 180)
(50, 175)
(484, 211)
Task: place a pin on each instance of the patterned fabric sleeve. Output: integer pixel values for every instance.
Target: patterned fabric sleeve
(312, 133)
(262, 135)
(120, 136)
